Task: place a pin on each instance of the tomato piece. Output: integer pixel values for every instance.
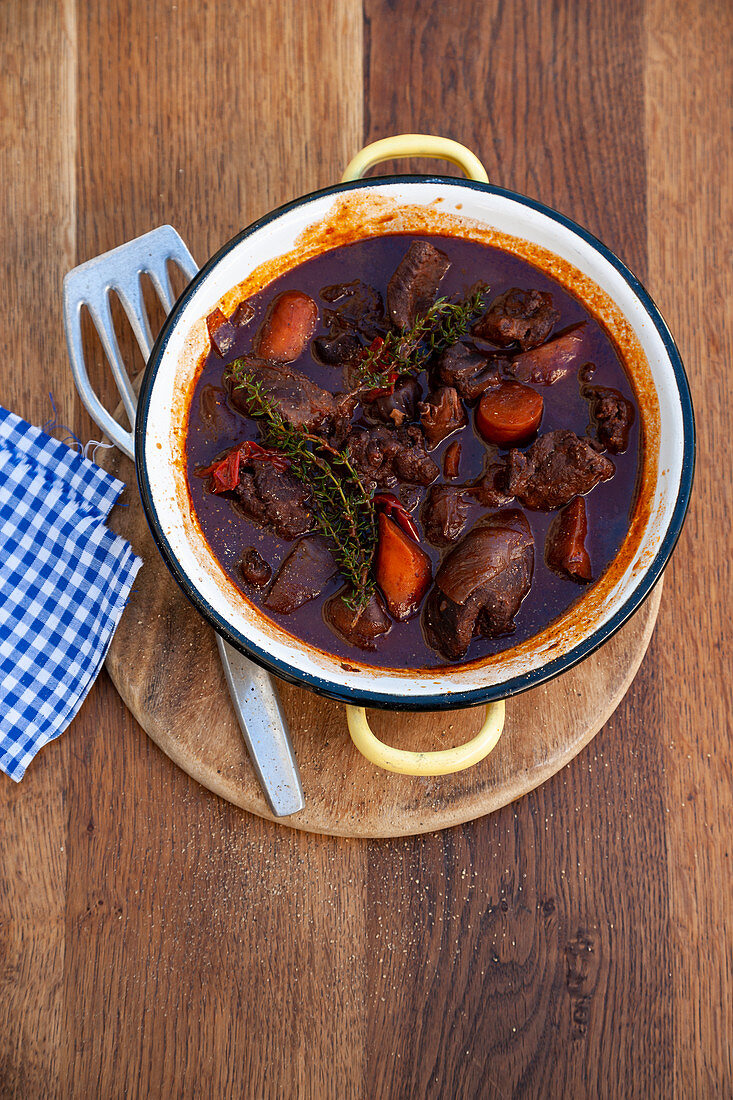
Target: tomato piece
(403, 569)
(382, 391)
(225, 472)
(510, 414)
(287, 327)
(253, 452)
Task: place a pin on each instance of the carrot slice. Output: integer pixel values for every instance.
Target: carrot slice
(509, 414)
(403, 570)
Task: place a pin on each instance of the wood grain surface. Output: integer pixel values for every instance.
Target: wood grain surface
(156, 941)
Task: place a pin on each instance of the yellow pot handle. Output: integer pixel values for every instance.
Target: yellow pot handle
(384, 756)
(415, 145)
(443, 762)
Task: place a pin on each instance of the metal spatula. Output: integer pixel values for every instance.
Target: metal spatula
(252, 691)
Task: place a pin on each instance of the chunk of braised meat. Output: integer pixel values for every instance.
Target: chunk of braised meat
(356, 307)
(552, 361)
(489, 490)
(468, 370)
(360, 626)
(397, 407)
(525, 317)
(442, 414)
(410, 496)
(452, 460)
(414, 286)
(383, 456)
(357, 315)
(299, 401)
(565, 550)
(215, 412)
(254, 568)
(480, 584)
(556, 468)
(275, 500)
(336, 351)
(243, 314)
(302, 575)
(444, 514)
(222, 332)
(612, 416)
(338, 429)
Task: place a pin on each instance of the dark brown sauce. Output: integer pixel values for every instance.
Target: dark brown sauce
(214, 427)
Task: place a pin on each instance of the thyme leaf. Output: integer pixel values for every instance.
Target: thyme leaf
(343, 510)
(408, 351)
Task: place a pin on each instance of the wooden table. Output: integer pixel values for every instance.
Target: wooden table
(154, 940)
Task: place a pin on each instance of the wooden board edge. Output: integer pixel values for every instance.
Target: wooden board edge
(468, 810)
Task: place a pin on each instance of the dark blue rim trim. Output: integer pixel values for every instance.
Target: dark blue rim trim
(445, 700)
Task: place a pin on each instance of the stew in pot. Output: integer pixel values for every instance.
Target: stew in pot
(413, 450)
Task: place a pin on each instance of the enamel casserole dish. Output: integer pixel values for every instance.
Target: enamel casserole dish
(471, 208)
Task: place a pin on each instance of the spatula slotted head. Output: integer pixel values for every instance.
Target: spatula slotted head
(90, 284)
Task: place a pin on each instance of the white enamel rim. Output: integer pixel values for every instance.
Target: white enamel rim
(243, 625)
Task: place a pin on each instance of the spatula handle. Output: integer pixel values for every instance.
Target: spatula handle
(264, 730)
(252, 691)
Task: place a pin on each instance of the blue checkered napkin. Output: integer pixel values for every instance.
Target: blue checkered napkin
(46, 454)
(64, 582)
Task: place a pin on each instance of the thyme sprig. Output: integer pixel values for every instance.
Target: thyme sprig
(343, 510)
(408, 351)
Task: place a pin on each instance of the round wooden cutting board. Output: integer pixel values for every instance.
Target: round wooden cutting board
(164, 662)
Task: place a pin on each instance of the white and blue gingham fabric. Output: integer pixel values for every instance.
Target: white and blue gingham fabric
(64, 582)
